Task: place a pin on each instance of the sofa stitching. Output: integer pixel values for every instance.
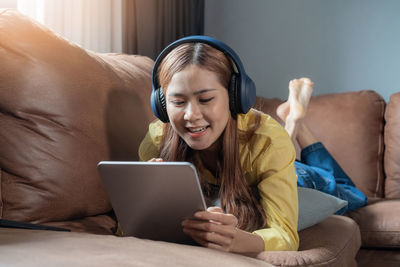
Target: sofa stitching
(380, 246)
(368, 231)
(380, 150)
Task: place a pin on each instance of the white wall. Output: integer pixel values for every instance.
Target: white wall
(342, 45)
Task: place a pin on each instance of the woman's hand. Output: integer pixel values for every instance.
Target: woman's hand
(215, 229)
(156, 160)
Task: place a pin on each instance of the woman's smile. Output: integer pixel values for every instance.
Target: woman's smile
(197, 132)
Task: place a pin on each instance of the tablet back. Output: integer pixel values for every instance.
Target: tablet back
(150, 199)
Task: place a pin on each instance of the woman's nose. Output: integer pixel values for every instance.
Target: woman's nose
(192, 112)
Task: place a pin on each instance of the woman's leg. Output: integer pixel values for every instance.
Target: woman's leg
(292, 112)
(316, 155)
(317, 169)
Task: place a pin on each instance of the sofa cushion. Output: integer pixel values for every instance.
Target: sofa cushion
(48, 248)
(333, 242)
(62, 110)
(379, 223)
(392, 147)
(349, 125)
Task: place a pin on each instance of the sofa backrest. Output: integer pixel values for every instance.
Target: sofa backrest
(350, 125)
(62, 110)
(392, 147)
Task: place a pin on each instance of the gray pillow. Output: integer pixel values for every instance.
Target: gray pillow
(315, 206)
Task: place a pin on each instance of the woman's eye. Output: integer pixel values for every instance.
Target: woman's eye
(206, 100)
(177, 103)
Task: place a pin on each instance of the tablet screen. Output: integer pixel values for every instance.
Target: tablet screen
(151, 199)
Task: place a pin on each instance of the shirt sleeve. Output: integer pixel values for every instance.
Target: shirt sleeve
(150, 146)
(277, 187)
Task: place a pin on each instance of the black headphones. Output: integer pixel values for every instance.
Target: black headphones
(241, 90)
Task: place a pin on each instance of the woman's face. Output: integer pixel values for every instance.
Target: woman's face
(197, 106)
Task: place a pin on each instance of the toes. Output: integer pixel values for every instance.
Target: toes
(307, 87)
(306, 82)
(294, 84)
(301, 86)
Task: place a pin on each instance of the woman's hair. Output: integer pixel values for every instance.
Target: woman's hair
(235, 193)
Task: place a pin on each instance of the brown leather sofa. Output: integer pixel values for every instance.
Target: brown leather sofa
(63, 109)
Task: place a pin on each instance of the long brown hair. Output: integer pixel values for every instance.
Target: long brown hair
(236, 195)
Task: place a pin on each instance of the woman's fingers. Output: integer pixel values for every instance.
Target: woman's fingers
(222, 237)
(215, 209)
(198, 240)
(210, 227)
(220, 217)
(156, 160)
(204, 237)
(207, 244)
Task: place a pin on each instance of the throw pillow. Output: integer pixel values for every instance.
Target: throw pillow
(315, 206)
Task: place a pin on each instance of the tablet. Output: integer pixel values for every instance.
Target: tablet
(151, 199)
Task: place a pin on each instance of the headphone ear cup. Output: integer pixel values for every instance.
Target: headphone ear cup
(242, 94)
(247, 94)
(233, 95)
(158, 105)
(153, 102)
(163, 106)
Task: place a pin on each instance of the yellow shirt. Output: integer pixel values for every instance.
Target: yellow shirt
(267, 161)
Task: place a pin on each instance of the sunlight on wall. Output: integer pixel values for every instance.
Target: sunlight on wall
(8, 3)
(93, 24)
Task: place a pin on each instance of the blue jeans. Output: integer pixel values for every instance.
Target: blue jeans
(319, 170)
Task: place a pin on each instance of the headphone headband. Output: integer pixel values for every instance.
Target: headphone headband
(217, 44)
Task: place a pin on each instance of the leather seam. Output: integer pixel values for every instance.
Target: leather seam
(398, 231)
(380, 149)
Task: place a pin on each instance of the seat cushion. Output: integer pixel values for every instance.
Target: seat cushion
(379, 223)
(333, 242)
(62, 110)
(49, 248)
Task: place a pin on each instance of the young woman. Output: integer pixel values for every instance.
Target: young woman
(317, 168)
(244, 160)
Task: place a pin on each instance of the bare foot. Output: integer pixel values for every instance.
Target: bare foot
(295, 108)
(283, 110)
